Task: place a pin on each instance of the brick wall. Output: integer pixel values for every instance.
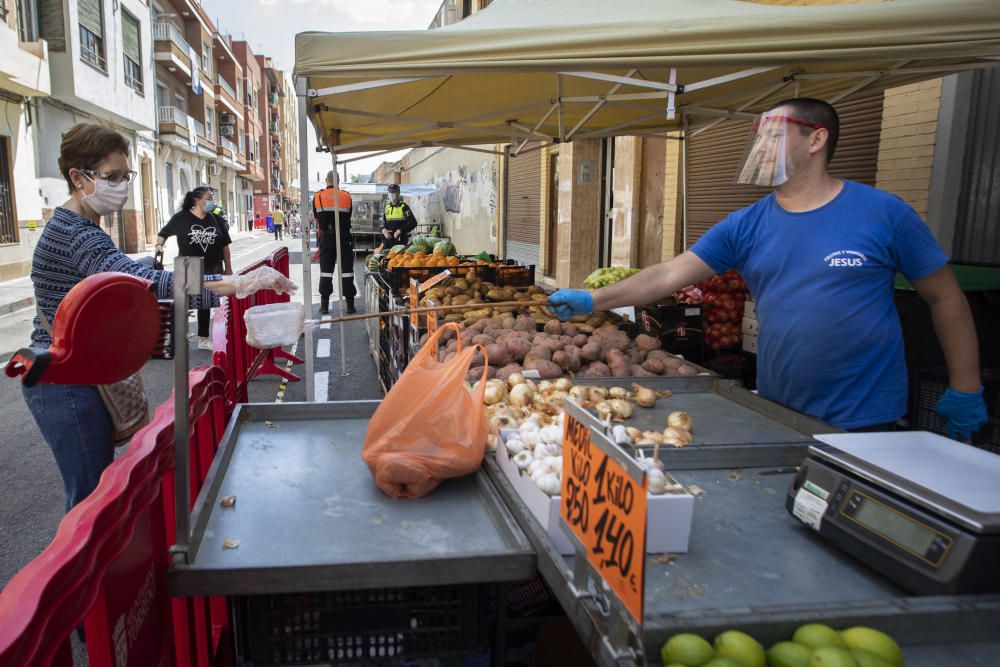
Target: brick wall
(906, 150)
(672, 232)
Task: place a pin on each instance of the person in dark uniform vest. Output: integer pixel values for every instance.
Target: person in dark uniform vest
(325, 207)
(397, 219)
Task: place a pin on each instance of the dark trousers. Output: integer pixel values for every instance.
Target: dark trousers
(204, 321)
(327, 263)
(277, 232)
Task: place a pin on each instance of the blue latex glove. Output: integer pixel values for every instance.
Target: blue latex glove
(965, 412)
(567, 303)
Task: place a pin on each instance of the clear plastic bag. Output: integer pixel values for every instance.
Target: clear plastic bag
(274, 325)
(429, 427)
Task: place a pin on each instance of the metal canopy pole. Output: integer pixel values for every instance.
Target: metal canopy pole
(338, 271)
(187, 281)
(301, 92)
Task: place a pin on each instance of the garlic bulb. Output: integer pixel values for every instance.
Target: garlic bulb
(657, 481)
(680, 420)
(618, 392)
(554, 464)
(523, 459)
(535, 467)
(530, 424)
(549, 484)
(551, 434)
(521, 395)
(530, 438)
(543, 450)
(514, 379)
(514, 446)
(620, 435)
(563, 384)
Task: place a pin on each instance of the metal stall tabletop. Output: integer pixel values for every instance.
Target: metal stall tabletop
(308, 516)
(731, 425)
(753, 567)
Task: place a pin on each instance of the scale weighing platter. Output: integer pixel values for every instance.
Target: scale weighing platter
(921, 509)
(956, 481)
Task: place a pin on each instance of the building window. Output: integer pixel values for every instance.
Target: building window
(243, 142)
(180, 101)
(132, 48)
(52, 23)
(206, 59)
(209, 120)
(92, 33)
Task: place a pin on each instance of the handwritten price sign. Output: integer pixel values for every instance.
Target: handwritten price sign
(414, 302)
(605, 508)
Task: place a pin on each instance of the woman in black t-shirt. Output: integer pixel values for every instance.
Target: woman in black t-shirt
(200, 234)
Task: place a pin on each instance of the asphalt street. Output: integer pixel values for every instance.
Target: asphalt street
(31, 492)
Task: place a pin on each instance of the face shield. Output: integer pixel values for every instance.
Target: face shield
(766, 162)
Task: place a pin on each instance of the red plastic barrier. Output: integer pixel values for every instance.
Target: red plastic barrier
(107, 564)
(241, 362)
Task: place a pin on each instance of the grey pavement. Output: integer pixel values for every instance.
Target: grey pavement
(31, 493)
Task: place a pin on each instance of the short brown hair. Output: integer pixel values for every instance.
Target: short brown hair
(85, 145)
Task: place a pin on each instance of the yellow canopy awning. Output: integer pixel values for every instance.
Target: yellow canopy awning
(561, 69)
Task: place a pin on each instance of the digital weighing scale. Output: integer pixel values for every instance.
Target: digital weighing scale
(917, 507)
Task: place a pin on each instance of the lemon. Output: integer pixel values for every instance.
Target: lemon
(741, 647)
(869, 659)
(723, 661)
(831, 656)
(788, 654)
(816, 635)
(687, 649)
(879, 643)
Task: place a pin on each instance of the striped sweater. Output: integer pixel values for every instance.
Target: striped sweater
(71, 248)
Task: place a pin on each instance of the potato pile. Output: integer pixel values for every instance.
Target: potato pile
(513, 345)
(473, 291)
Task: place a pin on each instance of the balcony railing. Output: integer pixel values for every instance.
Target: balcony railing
(168, 32)
(172, 115)
(228, 145)
(226, 87)
(199, 129)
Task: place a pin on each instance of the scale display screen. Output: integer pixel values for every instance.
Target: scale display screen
(892, 525)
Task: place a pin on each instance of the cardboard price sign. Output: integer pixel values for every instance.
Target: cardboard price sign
(605, 509)
(432, 320)
(414, 301)
(431, 282)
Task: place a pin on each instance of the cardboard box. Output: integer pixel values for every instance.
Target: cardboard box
(668, 516)
(750, 343)
(750, 326)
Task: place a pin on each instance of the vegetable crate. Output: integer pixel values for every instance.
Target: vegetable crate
(506, 275)
(376, 300)
(165, 345)
(361, 627)
(929, 384)
(679, 327)
(398, 279)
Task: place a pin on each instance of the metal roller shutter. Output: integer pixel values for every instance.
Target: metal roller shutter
(977, 235)
(714, 158)
(524, 201)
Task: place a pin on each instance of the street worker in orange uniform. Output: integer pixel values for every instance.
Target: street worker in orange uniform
(325, 205)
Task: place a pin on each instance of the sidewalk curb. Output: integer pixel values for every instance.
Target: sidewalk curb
(7, 308)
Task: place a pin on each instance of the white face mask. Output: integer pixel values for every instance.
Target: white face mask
(107, 198)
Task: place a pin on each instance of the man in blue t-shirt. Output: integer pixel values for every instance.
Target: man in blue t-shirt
(819, 255)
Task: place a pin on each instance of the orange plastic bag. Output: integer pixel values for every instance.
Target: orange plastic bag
(429, 427)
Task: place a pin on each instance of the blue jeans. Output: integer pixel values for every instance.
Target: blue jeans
(77, 428)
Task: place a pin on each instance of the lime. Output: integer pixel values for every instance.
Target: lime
(788, 654)
(741, 647)
(831, 656)
(869, 639)
(869, 659)
(723, 661)
(687, 649)
(816, 635)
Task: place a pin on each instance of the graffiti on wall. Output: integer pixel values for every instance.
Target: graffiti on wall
(453, 198)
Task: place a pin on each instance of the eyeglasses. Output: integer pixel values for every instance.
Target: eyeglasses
(757, 124)
(114, 177)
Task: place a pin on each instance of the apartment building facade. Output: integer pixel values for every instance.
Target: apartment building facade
(288, 122)
(253, 128)
(268, 191)
(24, 80)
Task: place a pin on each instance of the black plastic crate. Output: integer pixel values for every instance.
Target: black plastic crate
(514, 275)
(377, 626)
(929, 384)
(680, 328)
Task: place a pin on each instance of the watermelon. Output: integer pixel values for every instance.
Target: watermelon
(398, 249)
(445, 248)
(372, 262)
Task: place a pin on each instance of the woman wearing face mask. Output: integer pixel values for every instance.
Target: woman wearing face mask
(72, 418)
(397, 219)
(200, 234)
